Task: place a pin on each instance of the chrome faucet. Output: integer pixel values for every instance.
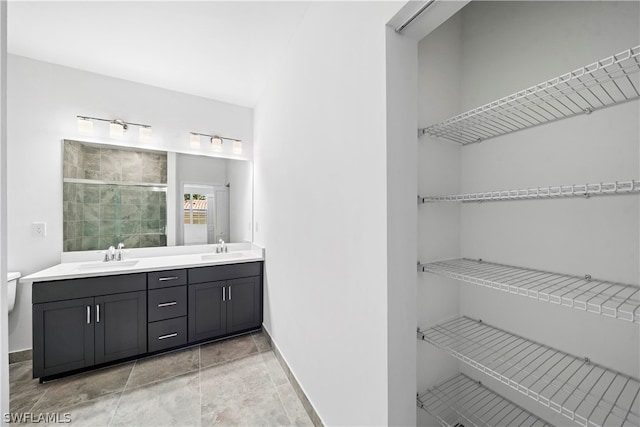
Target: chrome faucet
(222, 248)
(120, 255)
(110, 254)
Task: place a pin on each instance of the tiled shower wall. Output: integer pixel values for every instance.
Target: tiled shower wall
(97, 216)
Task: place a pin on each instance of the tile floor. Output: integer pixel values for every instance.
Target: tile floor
(233, 382)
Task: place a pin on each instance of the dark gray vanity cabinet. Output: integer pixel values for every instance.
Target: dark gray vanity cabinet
(79, 323)
(224, 300)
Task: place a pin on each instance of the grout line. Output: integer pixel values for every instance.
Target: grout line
(121, 393)
(200, 382)
(282, 403)
(39, 399)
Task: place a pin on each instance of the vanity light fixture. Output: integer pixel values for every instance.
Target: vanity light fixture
(216, 142)
(194, 140)
(145, 134)
(117, 127)
(85, 127)
(237, 147)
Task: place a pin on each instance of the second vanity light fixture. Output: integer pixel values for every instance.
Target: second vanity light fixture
(216, 142)
(117, 128)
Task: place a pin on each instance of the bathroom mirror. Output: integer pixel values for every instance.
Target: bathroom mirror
(145, 198)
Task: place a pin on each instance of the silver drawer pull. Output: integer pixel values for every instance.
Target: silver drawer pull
(88, 314)
(164, 337)
(167, 304)
(164, 279)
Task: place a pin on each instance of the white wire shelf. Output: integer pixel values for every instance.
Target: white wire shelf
(576, 190)
(609, 299)
(584, 392)
(461, 401)
(604, 83)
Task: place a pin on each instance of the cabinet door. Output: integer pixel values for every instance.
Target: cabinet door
(62, 336)
(120, 326)
(207, 310)
(244, 304)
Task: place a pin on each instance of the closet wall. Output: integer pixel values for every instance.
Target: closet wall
(486, 51)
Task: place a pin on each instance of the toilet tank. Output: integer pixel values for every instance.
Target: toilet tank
(12, 285)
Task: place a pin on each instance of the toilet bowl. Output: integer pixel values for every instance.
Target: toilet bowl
(12, 284)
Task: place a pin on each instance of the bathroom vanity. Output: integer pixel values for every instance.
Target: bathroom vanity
(87, 315)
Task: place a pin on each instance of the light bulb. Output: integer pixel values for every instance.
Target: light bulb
(237, 147)
(216, 143)
(194, 140)
(116, 130)
(145, 134)
(85, 126)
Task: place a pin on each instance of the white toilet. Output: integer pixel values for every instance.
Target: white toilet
(12, 284)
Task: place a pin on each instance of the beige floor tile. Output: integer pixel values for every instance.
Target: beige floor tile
(71, 391)
(260, 409)
(227, 350)
(274, 368)
(164, 366)
(173, 402)
(97, 412)
(24, 391)
(261, 341)
(233, 381)
(293, 406)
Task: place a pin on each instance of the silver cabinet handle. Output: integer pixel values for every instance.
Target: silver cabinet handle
(164, 279)
(164, 337)
(229, 293)
(167, 304)
(223, 293)
(88, 314)
(97, 313)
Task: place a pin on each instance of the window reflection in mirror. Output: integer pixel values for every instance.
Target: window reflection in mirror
(206, 214)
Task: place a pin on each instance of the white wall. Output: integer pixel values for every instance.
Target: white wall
(4, 327)
(321, 209)
(240, 176)
(402, 239)
(43, 101)
(439, 65)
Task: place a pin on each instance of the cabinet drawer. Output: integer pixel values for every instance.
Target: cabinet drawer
(224, 272)
(167, 279)
(60, 290)
(167, 303)
(167, 333)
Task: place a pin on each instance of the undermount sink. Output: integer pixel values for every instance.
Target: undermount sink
(222, 256)
(106, 265)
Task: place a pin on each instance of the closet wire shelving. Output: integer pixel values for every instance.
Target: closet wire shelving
(610, 81)
(576, 190)
(462, 401)
(588, 394)
(608, 299)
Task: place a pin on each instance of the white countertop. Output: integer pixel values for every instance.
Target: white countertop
(74, 270)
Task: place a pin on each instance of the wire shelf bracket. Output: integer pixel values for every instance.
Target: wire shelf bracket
(607, 82)
(608, 299)
(586, 393)
(462, 401)
(576, 190)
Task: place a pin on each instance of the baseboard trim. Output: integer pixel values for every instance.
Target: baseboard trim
(20, 356)
(311, 411)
